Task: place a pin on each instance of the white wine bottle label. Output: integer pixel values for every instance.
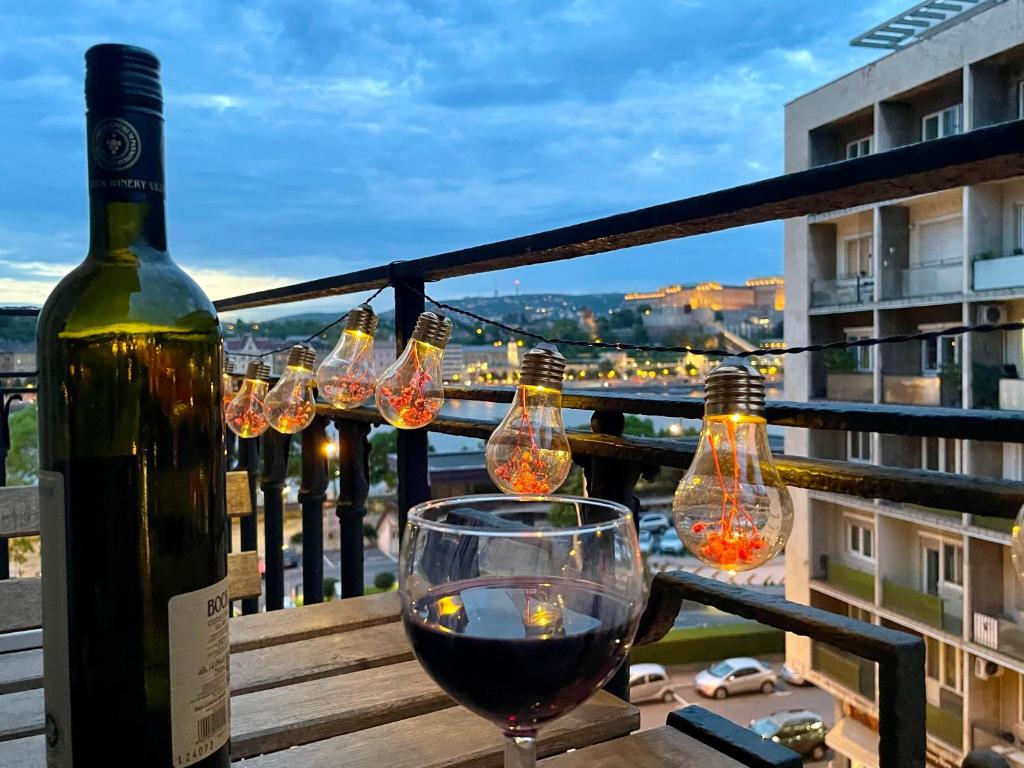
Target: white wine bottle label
(53, 531)
(197, 629)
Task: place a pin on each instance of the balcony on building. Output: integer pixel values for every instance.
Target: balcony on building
(851, 672)
(928, 372)
(997, 599)
(996, 235)
(840, 252)
(845, 139)
(945, 721)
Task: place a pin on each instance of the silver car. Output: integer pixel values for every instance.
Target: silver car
(740, 675)
(650, 682)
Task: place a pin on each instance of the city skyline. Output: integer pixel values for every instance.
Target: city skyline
(303, 151)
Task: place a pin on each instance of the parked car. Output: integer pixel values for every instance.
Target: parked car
(801, 730)
(291, 558)
(649, 682)
(740, 675)
(655, 522)
(670, 543)
(793, 674)
(646, 542)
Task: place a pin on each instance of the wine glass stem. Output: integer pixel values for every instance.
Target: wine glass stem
(520, 752)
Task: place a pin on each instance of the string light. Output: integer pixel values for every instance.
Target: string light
(245, 414)
(529, 452)
(731, 508)
(410, 392)
(291, 405)
(346, 377)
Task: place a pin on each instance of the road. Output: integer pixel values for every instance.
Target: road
(741, 708)
(374, 562)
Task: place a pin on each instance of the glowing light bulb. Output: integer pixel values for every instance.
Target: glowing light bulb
(1017, 544)
(290, 405)
(227, 383)
(529, 452)
(245, 414)
(731, 508)
(410, 392)
(346, 377)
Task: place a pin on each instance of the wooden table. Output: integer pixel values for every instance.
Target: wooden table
(337, 685)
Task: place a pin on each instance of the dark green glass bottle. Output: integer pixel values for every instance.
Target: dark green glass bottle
(131, 465)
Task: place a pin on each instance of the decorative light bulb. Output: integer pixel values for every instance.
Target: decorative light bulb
(290, 404)
(410, 393)
(731, 508)
(346, 377)
(227, 383)
(245, 414)
(529, 452)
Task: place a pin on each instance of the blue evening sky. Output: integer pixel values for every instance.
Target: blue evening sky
(312, 137)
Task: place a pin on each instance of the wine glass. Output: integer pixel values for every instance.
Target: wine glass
(520, 607)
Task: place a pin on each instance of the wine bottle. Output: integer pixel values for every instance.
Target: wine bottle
(135, 607)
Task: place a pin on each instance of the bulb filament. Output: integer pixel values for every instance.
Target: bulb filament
(527, 469)
(414, 407)
(730, 543)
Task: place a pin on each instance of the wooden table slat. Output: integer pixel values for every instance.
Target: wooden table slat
(21, 671)
(262, 629)
(454, 738)
(663, 747)
(21, 604)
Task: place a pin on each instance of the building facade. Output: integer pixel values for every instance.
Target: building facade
(906, 265)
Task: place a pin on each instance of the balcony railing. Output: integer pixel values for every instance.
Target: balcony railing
(853, 673)
(999, 634)
(946, 724)
(933, 279)
(851, 580)
(993, 274)
(613, 462)
(846, 290)
(850, 387)
(942, 611)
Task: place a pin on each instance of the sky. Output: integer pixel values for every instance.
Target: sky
(306, 138)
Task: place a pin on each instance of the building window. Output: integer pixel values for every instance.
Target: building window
(953, 564)
(859, 148)
(860, 538)
(1018, 228)
(938, 353)
(952, 668)
(858, 446)
(945, 122)
(942, 567)
(932, 657)
(940, 454)
(855, 260)
(862, 356)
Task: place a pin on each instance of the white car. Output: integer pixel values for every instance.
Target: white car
(655, 522)
(670, 543)
(649, 682)
(646, 542)
(740, 675)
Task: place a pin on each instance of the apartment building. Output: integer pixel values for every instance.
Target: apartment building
(914, 264)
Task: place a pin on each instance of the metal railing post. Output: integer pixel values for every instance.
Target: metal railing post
(413, 475)
(275, 469)
(5, 447)
(248, 535)
(353, 488)
(312, 495)
(614, 479)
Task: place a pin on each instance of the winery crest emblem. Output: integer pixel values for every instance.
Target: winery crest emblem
(115, 144)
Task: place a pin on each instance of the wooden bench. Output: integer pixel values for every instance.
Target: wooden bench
(21, 599)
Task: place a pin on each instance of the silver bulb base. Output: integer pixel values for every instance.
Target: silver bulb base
(433, 329)
(542, 366)
(257, 369)
(361, 319)
(302, 356)
(734, 388)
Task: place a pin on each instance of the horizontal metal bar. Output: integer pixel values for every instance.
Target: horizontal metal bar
(725, 736)
(958, 493)
(966, 424)
(18, 374)
(985, 154)
(901, 721)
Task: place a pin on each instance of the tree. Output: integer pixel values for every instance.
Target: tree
(23, 459)
(383, 442)
(638, 426)
(384, 580)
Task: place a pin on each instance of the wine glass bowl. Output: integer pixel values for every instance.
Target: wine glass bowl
(520, 607)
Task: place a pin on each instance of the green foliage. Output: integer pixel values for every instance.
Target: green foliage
(985, 385)
(384, 580)
(840, 360)
(23, 460)
(329, 582)
(296, 539)
(573, 485)
(566, 329)
(18, 328)
(369, 533)
(985, 255)
(383, 442)
(639, 426)
(686, 646)
(19, 549)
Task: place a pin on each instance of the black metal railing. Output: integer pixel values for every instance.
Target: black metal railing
(612, 462)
